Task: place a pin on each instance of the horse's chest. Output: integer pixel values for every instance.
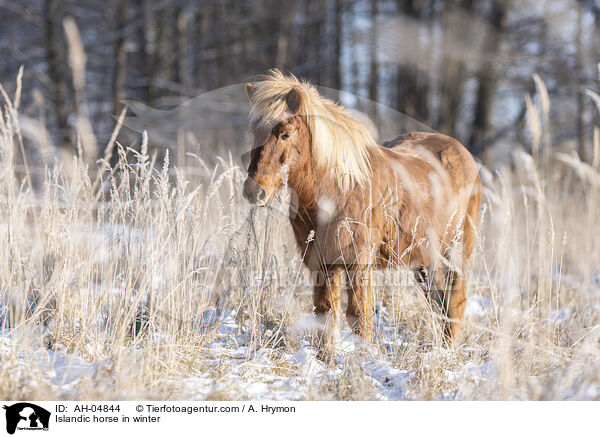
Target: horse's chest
(342, 239)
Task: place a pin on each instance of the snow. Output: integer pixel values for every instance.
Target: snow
(476, 306)
(237, 369)
(63, 369)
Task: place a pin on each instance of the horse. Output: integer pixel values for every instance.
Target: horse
(357, 206)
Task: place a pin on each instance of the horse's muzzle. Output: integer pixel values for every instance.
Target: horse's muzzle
(254, 192)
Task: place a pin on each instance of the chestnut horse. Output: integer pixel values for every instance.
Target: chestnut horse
(357, 206)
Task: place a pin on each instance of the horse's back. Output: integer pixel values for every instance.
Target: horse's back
(454, 157)
(441, 181)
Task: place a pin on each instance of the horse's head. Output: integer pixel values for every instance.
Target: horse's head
(277, 154)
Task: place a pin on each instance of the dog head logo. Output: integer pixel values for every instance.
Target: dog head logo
(26, 416)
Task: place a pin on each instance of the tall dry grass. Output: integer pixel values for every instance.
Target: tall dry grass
(141, 273)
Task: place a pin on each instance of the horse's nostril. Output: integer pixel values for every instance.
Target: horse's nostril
(245, 193)
(261, 194)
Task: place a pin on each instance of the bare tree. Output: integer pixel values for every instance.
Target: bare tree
(120, 56)
(155, 48)
(581, 128)
(486, 76)
(55, 56)
(337, 48)
(373, 72)
(453, 69)
(144, 72)
(412, 88)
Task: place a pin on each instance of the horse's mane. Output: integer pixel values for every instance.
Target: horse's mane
(339, 142)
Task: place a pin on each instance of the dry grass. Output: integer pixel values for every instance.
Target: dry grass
(148, 286)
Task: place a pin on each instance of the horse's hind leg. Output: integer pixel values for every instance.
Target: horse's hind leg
(451, 278)
(427, 281)
(326, 301)
(445, 292)
(359, 311)
(455, 296)
(453, 303)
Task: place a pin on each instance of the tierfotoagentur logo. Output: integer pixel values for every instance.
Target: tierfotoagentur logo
(26, 416)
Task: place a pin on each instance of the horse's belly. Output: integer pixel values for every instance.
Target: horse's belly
(392, 254)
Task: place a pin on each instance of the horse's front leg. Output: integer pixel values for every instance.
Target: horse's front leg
(359, 312)
(326, 300)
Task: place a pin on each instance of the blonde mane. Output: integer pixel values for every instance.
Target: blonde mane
(339, 142)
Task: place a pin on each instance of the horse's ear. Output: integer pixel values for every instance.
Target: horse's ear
(250, 90)
(293, 101)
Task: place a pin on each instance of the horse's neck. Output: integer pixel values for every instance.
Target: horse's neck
(310, 187)
(305, 186)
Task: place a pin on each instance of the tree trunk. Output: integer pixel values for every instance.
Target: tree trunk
(583, 151)
(354, 54)
(312, 43)
(373, 72)
(322, 47)
(120, 56)
(337, 48)
(282, 55)
(486, 76)
(143, 61)
(181, 42)
(54, 13)
(411, 87)
(453, 70)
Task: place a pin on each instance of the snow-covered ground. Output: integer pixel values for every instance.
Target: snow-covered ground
(233, 370)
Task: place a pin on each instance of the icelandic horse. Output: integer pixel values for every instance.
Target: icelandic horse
(357, 205)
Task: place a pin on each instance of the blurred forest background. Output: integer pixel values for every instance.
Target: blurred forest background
(463, 67)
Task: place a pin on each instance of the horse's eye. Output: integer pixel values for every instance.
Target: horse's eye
(285, 137)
